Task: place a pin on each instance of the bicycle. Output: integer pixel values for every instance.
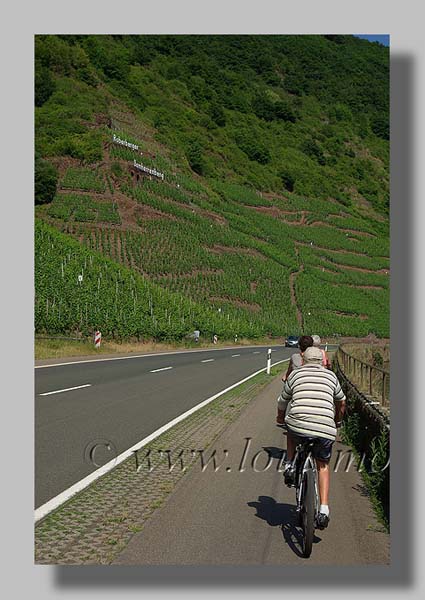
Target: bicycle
(307, 492)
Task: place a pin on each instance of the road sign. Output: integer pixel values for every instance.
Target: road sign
(97, 339)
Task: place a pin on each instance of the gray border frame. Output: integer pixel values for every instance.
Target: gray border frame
(403, 21)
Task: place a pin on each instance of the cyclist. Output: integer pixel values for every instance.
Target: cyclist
(316, 343)
(316, 407)
(296, 360)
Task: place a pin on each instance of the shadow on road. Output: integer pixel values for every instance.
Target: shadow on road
(284, 515)
(274, 452)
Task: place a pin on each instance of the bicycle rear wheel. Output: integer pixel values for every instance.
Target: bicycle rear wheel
(307, 512)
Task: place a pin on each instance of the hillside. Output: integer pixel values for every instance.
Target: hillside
(265, 210)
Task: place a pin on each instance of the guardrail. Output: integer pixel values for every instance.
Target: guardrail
(369, 379)
(62, 337)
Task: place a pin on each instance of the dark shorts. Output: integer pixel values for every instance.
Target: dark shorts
(322, 448)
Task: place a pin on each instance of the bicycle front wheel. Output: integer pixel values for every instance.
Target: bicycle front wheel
(307, 512)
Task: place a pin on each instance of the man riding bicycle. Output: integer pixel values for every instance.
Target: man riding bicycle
(316, 406)
(325, 360)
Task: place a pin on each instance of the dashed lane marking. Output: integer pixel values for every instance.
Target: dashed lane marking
(77, 387)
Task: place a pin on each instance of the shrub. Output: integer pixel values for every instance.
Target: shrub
(254, 148)
(45, 181)
(116, 170)
(378, 361)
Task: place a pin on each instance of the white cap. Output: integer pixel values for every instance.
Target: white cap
(316, 340)
(312, 355)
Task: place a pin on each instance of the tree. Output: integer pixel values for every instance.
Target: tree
(195, 158)
(216, 113)
(380, 127)
(283, 110)
(45, 181)
(312, 148)
(253, 147)
(44, 85)
(263, 107)
(288, 180)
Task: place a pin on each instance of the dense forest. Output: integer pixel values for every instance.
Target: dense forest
(274, 204)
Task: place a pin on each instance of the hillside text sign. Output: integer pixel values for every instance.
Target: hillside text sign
(117, 140)
(153, 172)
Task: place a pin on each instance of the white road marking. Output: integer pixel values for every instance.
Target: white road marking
(95, 360)
(66, 389)
(64, 496)
(163, 369)
(208, 360)
(233, 355)
(256, 352)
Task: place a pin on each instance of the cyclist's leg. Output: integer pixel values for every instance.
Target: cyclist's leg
(324, 480)
(322, 451)
(289, 470)
(290, 446)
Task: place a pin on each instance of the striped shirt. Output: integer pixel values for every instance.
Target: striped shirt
(312, 391)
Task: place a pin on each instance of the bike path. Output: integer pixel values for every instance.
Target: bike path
(234, 517)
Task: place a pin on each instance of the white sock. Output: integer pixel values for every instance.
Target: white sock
(324, 508)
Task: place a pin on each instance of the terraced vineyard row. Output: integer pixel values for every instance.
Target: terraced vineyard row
(83, 179)
(83, 208)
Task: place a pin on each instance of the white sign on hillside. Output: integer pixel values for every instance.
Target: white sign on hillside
(118, 140)
(148, 170)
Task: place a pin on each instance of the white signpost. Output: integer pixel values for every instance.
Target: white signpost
(269, 360)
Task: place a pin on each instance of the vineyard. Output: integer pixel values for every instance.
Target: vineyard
(79, 290)
(223, 248)
(226, 251)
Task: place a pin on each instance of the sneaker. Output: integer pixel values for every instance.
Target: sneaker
(289, 474)
(322, 521)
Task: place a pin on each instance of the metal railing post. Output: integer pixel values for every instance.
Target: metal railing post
(383, 388)
(370, 380)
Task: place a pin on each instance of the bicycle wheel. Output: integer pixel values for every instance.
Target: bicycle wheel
(307, 512)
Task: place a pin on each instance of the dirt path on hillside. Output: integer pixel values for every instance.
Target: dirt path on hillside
(278, 213)
(344, 229)
(383, 271)
(339, 251)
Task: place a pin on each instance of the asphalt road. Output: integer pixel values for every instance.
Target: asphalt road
(246, 516)
(123, 401)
